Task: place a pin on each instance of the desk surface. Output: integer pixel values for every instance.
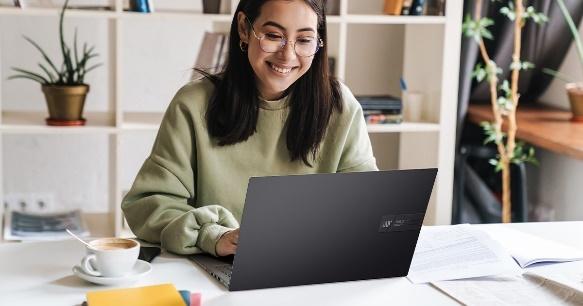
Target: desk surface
(39, 273)
(545, 127)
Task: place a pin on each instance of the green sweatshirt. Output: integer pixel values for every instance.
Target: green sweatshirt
(190, 191)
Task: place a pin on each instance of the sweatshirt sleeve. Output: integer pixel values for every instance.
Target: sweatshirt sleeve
(159, 206)
(357, 154)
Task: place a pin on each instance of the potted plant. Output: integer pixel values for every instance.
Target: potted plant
(64, 86)
(574, 89)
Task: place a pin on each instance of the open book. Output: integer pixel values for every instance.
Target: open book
(464, 251)
(528, 249)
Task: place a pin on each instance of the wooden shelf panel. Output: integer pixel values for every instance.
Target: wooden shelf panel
(34, 123)
(545, 127)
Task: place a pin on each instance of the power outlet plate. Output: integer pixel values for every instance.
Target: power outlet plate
(30, 202)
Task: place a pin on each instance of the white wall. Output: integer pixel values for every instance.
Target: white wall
(556, 184)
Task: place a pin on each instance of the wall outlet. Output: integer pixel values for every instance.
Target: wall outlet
(30, 202)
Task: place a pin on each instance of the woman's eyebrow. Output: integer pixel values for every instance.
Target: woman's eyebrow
(277, 25)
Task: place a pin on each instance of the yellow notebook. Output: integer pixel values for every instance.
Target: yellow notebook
(165, 294)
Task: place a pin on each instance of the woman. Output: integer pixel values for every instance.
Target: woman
(273, 111)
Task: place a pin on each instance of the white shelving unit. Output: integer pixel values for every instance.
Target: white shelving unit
(429, 60)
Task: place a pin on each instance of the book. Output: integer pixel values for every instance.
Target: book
(27, 226)
(527, 249)
(417, 7)
(406, 7)
(214, 46)
(141, 6)
(393, 7)
(164, 294)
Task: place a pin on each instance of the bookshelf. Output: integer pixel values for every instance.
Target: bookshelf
(422, 49)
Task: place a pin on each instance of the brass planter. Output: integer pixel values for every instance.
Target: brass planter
(65, 104)
(575, 93)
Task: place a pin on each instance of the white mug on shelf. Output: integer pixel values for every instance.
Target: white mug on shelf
(413, 106)
(110, 257)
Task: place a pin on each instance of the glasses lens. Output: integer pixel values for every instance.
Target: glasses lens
(271, 42)
(304, 46)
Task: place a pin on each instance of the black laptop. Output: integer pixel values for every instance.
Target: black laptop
(321, 228)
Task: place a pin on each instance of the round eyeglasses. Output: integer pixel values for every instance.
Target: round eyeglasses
(304, 46)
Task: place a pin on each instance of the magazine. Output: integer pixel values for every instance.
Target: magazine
(28, 226)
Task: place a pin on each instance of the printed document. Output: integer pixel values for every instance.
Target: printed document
(456, 252)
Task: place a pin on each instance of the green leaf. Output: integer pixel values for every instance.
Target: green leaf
(32, 74)
(19, 76)
(50, 75)
(506, 11)
(45, 56)
(479, 72)
(477, 29)
(531, 13)
(573, 29)
(558, 75)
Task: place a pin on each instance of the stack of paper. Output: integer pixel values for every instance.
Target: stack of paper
(455, 252)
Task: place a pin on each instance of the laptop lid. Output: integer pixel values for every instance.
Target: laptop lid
(320, 228)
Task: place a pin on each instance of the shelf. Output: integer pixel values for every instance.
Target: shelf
(544, 127)
(172, 14)
(34, 123)
(142, 121)
(386, 19)
(54, 12)
(151, 121)
(403, 127)
(199, 16)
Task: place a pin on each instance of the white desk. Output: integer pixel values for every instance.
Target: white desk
(39, 273)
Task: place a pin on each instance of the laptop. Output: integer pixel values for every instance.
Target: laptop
(322, 228)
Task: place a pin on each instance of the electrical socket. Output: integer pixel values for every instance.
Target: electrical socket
(30, 202)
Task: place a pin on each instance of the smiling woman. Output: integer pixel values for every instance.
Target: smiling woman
(274, 110)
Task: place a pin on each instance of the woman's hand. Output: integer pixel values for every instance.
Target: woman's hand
(227, 244)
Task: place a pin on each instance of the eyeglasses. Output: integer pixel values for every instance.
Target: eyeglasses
(304, 46)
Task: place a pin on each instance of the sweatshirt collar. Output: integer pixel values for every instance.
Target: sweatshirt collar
(274, 104)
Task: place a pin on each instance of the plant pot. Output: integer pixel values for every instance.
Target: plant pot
(65, 104)
(575, 93)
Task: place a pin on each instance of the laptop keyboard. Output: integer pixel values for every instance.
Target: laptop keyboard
(225, 269)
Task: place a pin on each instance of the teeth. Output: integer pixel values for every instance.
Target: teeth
(280, 70)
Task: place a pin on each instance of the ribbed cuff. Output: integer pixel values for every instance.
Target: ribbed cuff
(209, 235)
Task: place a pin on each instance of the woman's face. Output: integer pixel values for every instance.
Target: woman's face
(293, 20)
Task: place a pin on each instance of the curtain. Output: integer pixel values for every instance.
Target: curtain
(543, 45)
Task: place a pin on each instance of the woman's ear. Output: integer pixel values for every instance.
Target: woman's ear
(243, 27)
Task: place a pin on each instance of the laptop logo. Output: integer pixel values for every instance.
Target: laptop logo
(396, 223)
(386, 222)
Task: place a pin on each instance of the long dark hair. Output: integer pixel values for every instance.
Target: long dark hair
(234, 106)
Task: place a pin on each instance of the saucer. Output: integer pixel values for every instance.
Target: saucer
(140, 269)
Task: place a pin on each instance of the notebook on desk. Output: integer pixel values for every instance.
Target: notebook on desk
(320, 228)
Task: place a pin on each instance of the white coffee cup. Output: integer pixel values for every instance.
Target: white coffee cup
(110, 257)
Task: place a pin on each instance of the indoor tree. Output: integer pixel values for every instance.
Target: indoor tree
(504, 96)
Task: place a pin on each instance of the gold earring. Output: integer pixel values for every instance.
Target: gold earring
(243, 46)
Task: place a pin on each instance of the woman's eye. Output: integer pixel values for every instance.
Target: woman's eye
(306, 40)
(273, 36)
